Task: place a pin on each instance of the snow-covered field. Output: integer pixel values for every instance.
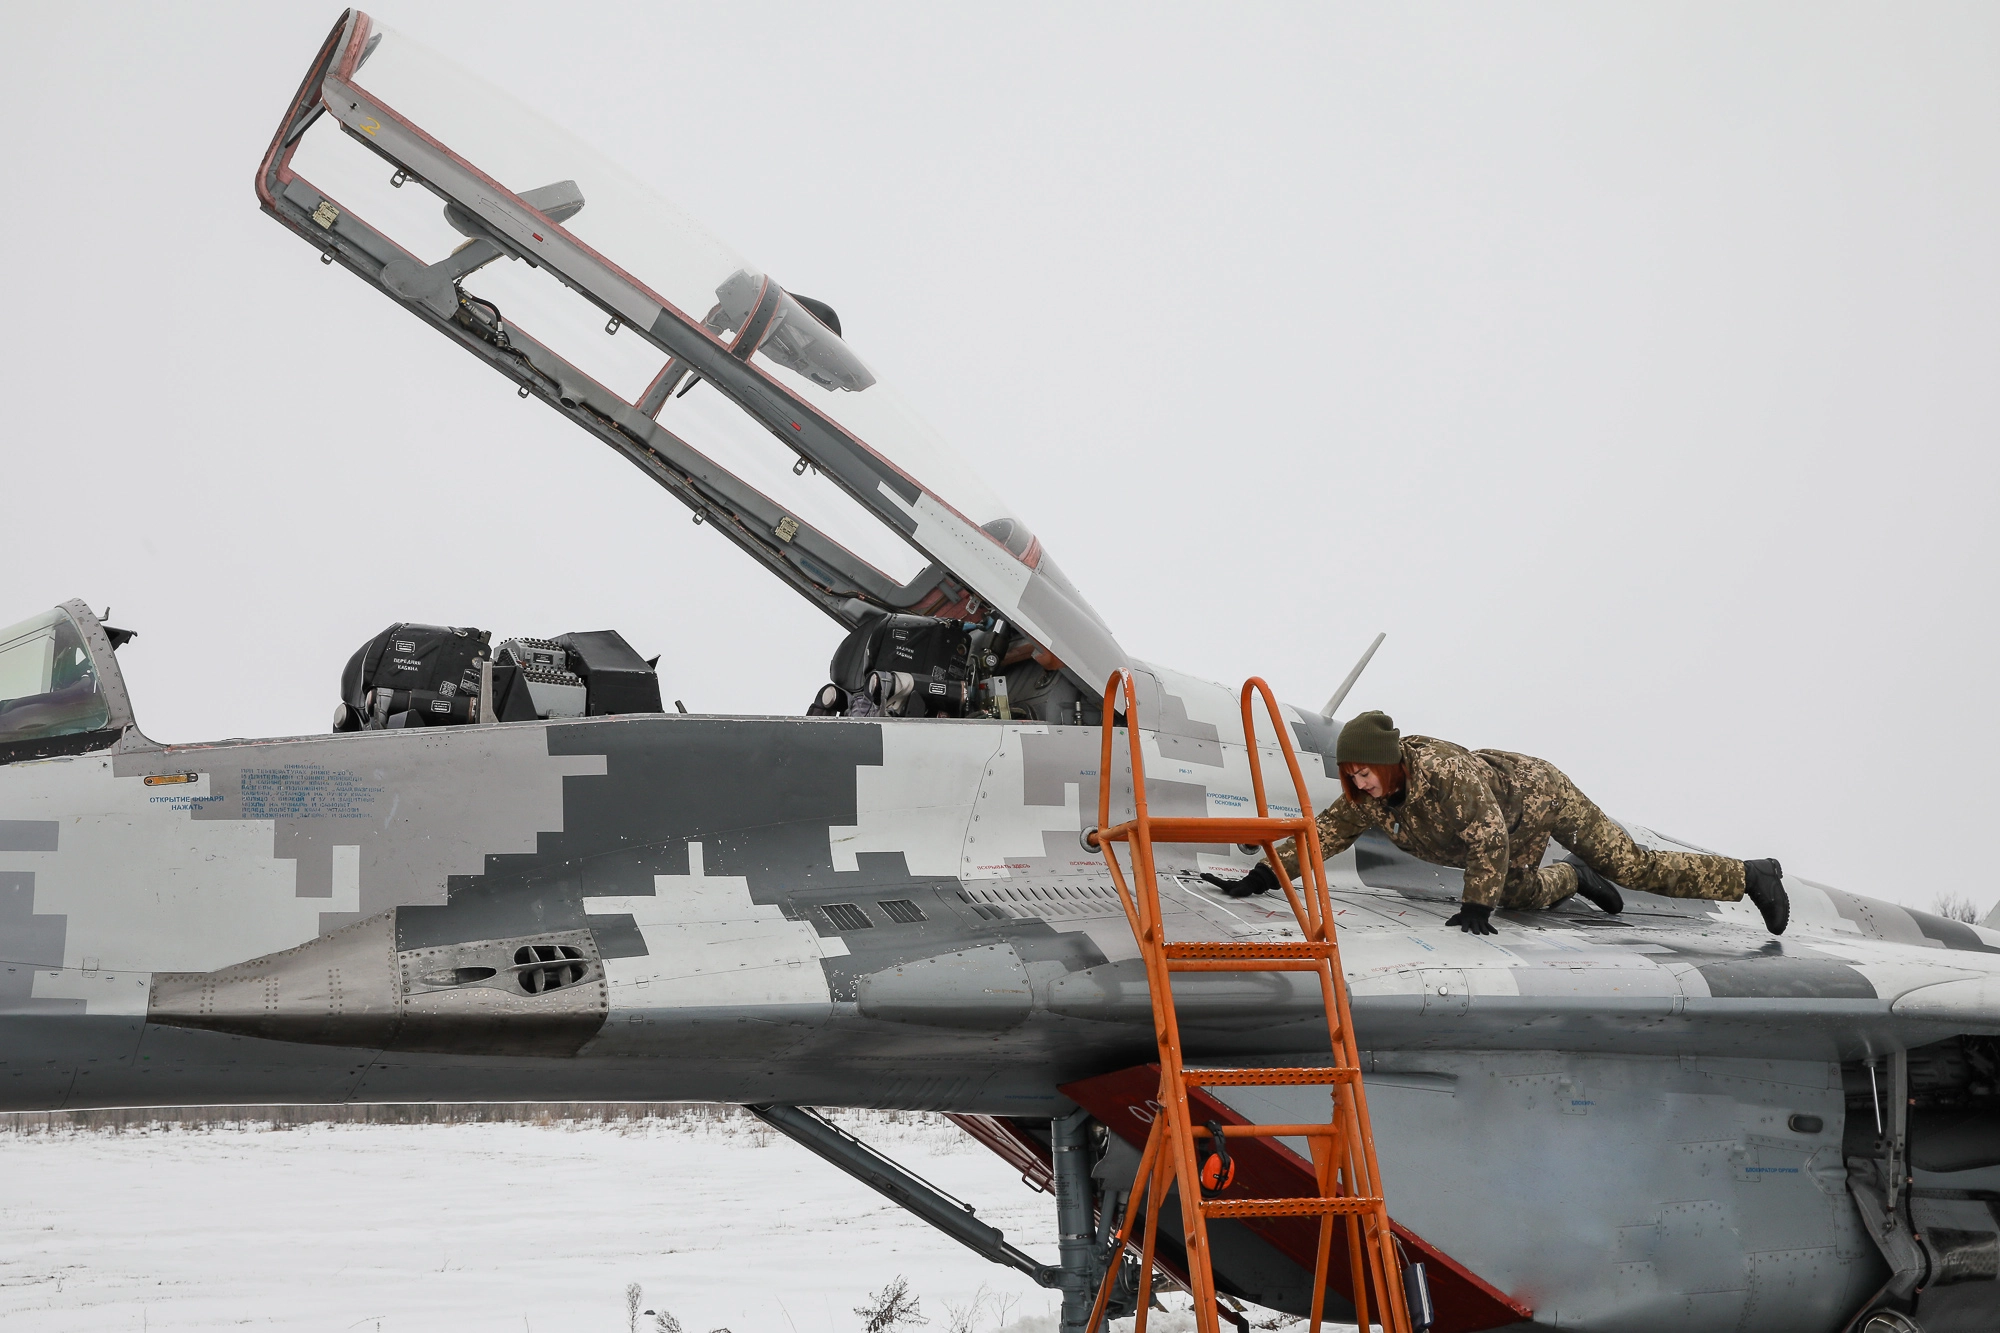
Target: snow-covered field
(498, 1227)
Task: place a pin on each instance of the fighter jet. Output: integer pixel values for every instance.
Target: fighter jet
(506, 873)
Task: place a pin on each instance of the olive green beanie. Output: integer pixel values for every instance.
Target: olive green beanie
(1371, 738)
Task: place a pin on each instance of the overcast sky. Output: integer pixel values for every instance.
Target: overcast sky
(1633, 367)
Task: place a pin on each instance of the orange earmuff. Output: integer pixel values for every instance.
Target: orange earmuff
(1217, 1169)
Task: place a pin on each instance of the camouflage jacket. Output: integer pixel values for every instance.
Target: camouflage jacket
(1482, 810)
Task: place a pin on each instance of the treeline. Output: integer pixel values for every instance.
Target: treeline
(118, 1120)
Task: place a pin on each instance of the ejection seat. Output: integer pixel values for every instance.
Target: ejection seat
(924, 666)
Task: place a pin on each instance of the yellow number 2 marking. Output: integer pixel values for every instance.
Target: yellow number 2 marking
(368, 125)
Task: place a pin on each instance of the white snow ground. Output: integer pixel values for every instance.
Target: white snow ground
(501, 1227)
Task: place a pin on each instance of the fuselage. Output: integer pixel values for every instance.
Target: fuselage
(901, 913)
(883, 912)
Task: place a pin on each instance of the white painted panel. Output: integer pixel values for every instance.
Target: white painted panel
(709, 945)
(920, 799)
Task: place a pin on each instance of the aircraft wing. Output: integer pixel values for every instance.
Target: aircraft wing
(1666, 978)
(576, 281)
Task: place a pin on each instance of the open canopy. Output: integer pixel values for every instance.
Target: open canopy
(626, 314)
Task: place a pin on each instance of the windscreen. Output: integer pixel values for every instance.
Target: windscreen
(48, 686)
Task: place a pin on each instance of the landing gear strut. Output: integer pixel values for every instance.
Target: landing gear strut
(1081, 1268)
(1083, 1252)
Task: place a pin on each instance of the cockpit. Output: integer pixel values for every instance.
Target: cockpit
(890, 666)
(589, 292)
(61, 691)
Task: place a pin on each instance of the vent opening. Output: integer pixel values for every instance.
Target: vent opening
(846, 916)
(458, 976)
(547, 967)
(901, 910)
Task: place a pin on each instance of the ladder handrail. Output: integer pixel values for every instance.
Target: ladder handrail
(1145, 924)
(1318, 910)
(1121, 679)
(1321, 894)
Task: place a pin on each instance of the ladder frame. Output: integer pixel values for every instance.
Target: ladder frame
(1343, 1149)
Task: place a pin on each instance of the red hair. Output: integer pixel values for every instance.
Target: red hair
(1391, 777)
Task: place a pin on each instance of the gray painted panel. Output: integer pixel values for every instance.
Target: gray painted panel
(1740, 1215)
(28, 941)
(979, 988)
(1780, 976)
(28, 835)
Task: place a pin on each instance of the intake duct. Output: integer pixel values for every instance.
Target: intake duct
(537, 995)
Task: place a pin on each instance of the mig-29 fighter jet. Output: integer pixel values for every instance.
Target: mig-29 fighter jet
(545, 887)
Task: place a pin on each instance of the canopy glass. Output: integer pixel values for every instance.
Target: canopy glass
(723, 382)
(672, 255)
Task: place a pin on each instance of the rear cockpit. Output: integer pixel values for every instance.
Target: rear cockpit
(922, 666)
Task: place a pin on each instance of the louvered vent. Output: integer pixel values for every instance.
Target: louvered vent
(1028, 900)
(846, 916)
(901, 910)
(547, 967)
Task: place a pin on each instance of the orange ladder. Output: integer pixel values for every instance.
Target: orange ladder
(1343, 1149)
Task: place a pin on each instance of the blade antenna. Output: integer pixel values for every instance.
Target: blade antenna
(1340, 694)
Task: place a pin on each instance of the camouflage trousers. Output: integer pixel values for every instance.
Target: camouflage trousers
(1601, 844)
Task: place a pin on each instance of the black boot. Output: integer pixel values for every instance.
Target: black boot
(1595, 888)
(1764, 885)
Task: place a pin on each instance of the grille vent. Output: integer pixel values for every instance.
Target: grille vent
(901, 910)
(1042, 901)
(547, 967)
(846, 916)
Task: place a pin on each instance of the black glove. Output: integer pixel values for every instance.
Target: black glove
(1472, 919)
(1261, 879)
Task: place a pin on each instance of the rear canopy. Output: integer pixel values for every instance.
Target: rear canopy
(736, 395)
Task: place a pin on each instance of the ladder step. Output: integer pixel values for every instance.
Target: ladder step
(1287, 1207)
(1247, 956)
(1253, 949)
(1243, 965)
(1201, 829)
(1319, 1131)
(1255, 1078)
